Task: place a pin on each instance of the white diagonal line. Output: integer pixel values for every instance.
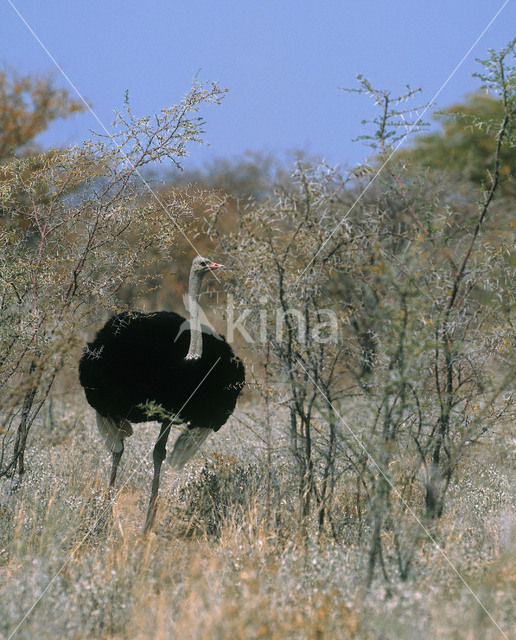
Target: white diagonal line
(103, 126)
(404, 502)
(404, 138)
(102, 513)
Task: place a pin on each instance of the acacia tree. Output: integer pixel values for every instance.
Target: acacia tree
(465, 143)
(28, 105)
(77, 223)
(281, 267)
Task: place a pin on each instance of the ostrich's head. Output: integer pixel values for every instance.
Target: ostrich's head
(201, 266)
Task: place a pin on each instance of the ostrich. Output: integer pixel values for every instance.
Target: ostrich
(158, 366)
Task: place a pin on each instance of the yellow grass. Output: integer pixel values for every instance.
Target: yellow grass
(69, 570)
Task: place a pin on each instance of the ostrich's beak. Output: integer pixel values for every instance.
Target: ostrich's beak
(215, 265)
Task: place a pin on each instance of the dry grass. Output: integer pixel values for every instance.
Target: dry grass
(216, 567)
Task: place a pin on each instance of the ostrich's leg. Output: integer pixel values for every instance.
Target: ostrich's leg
(114, 430)
(107, 510)
(158, 455)
(114, 467)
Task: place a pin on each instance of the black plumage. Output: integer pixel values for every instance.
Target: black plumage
(139, 358)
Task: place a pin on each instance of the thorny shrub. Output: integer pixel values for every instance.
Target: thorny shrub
(75, 227)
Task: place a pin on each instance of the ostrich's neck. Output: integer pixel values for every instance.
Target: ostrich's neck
(195, 350)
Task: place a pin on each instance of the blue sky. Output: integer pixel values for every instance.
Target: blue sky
(283, 61)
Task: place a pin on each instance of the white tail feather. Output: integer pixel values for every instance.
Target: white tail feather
(187, 446)
(114, 431)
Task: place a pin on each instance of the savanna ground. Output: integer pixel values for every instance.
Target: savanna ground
(222, 563)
